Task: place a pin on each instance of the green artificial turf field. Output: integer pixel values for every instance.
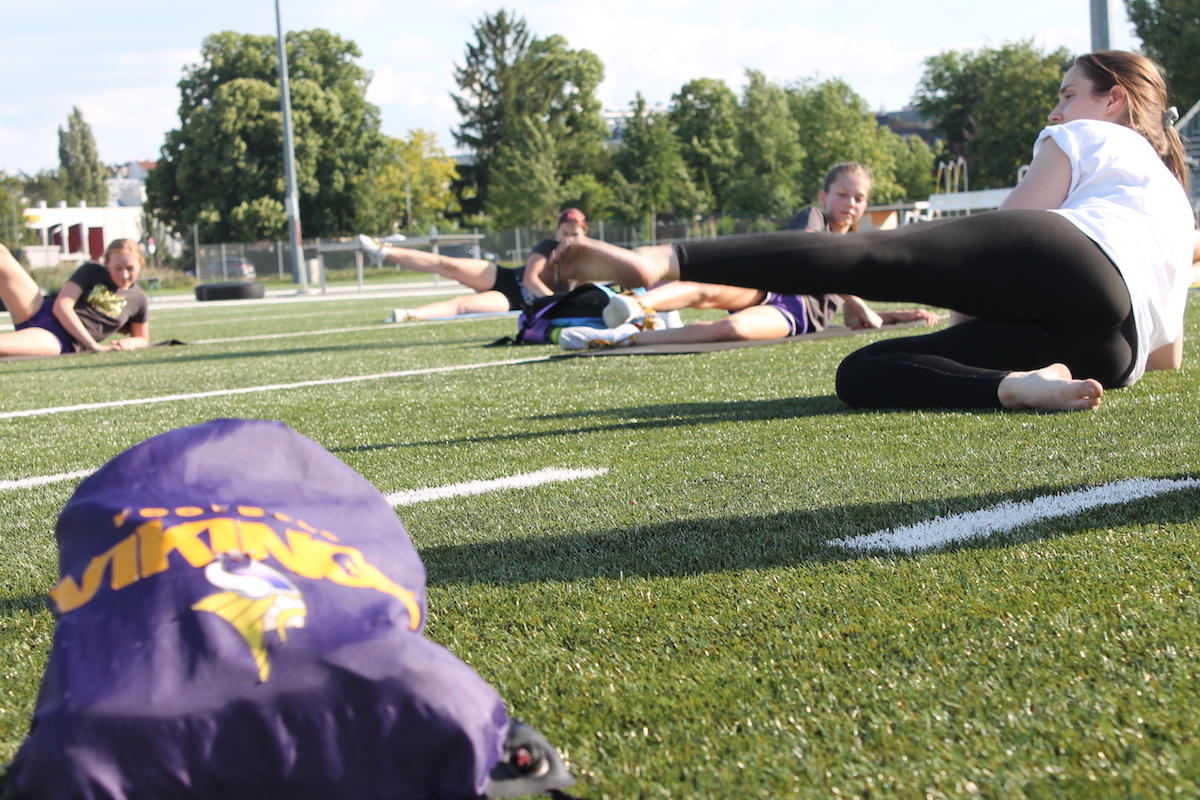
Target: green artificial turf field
(681, 626)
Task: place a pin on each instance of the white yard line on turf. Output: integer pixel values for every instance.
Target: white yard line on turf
(42, 480)
(408, 498)
(274, 387)
(258, 336)
(499, 484)
(1008, 515)
(253, 337)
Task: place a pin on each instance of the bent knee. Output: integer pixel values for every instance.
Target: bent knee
(732, 329)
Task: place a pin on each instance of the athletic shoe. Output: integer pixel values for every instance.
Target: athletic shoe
(622, 309)
(583, 338)
(374, 253)
(402, 315)
(669, 319)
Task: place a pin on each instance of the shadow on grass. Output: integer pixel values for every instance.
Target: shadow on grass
(666, 415)
(31, 603)
(731, 544)
(184, 354)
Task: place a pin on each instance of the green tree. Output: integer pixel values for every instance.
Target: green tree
(228, 151)
(914, 166)
(1170, 32)
(524, 184)
(261, 218)
(651, 177)
(704, 114)
(589, 195)
(836, 125)
(46, 186)
(13, 230)
(83, 176)
(415, 173)
(508, 76)
(770, 171)
(989, 106)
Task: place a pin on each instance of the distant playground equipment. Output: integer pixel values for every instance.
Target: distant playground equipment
(952, 176)
(953, 196)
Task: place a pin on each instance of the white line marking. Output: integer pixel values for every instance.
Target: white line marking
(499, 484)
(397, 499)
(252, 337)
(1008, 515)
(170, 398)
(26, 483)
(352, 329)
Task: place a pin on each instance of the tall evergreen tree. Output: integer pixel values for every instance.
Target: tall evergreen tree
(508, 76)
(525, 189)
(83, 176)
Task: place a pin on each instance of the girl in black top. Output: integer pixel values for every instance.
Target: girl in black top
(96, 302)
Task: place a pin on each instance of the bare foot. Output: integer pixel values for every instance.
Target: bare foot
(1051, 387)
(592, 260)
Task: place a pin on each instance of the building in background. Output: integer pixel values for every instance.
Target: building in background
(80, 233)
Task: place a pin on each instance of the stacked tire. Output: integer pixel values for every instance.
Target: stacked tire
(233, 290)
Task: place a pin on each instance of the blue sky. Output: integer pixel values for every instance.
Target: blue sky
(119, 60)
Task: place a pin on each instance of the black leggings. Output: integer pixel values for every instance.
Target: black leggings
(1042, 293)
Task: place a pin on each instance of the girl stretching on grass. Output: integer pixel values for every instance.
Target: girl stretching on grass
(96, 302)
(754, 314)
(1076, 285)
(498, 288)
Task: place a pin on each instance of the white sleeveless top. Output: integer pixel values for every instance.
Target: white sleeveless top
(1124, 198)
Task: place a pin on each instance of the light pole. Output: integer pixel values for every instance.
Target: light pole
(1099, 25)
(291, 201)
(408, 197)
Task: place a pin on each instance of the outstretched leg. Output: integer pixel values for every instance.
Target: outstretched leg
(1008, 265)
(593, 260)
(474, 273)
(482, 303)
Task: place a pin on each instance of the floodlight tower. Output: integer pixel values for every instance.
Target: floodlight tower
(1099, 25)
(291, 200)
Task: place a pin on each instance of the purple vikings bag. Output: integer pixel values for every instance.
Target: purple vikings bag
(240, 615)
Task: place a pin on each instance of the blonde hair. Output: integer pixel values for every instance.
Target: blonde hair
(1146, 93)
(124, 246)
(848, 168)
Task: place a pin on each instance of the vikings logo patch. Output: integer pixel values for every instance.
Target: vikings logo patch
(257, 600)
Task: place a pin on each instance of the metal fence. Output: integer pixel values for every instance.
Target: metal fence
(341, 258)
(234, 261)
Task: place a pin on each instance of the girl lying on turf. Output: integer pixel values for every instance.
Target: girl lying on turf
(498, 288)
(1076, 285)
(96, 302)
(753, 313)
